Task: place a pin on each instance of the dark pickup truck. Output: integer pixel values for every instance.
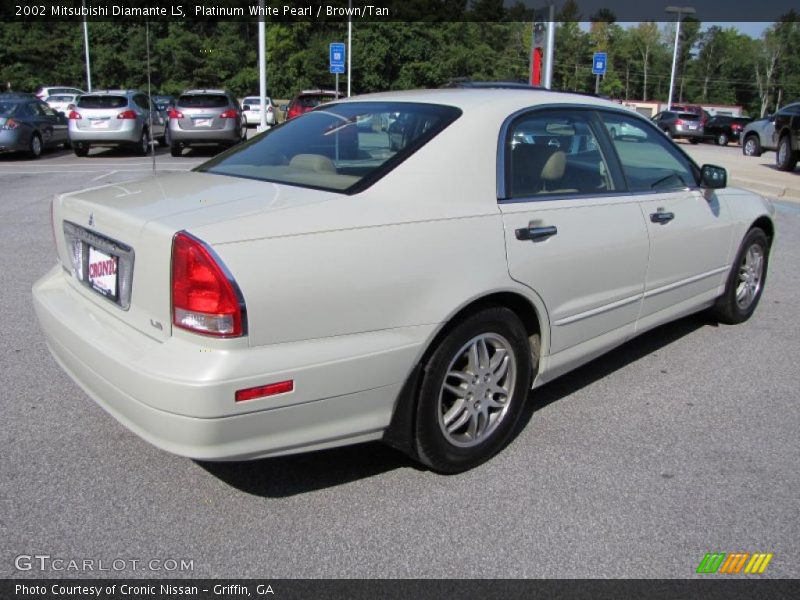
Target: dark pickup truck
(787, 137)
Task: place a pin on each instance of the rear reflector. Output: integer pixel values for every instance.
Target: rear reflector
(262, 391)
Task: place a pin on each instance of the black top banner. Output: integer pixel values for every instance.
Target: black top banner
(287, 11)
(398, 589)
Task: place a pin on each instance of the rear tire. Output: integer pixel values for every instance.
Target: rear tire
(175, 149)
(473, 389)
(751, 146)
(35, 146)
(722, 139)
(143, 147)
(81, 149)
(785, 157)
(693, 140)
(745, 281)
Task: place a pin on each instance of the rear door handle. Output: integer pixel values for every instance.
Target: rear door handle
(536, 233)
(661, 217)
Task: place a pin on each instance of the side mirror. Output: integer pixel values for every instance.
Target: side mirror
(713, 177)
(245, 107)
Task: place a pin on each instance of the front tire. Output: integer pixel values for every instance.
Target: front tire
(751, 146)
(745, 281)
(473, 390)
(785, 157)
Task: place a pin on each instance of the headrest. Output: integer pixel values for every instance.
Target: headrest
(312, 162)
(554, 167)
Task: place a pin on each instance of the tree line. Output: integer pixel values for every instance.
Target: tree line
(715, 65)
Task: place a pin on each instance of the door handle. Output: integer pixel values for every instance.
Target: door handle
(662, 217)
(536, 233)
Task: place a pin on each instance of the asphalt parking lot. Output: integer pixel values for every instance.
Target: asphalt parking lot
(683, 441)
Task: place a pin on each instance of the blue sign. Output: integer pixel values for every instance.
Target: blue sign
(337, 57)
(599, 63)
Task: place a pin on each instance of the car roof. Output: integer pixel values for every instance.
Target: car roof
(17, 96)
(203, 91)
(500, 100)
(111, 92)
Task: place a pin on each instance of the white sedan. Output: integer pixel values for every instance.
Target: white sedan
(251, 111)
(327, 284)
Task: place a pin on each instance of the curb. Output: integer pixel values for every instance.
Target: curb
(773, 191)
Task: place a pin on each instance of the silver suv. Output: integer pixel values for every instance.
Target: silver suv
(115, 118)
(205, 117)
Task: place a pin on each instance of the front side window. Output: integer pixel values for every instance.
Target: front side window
(343, 147)
(555, 152)
(649, 160)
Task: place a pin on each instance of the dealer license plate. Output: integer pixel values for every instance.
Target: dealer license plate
(103, 272)
(202, 122)
(100, 124)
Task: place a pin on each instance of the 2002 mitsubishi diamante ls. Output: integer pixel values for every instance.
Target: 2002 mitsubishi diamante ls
(401, 266)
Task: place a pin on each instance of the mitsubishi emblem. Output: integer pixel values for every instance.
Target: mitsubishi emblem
(91, 219)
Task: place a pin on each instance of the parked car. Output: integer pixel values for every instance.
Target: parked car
(757, 136)
(693, 108)
(308, 100)
(680, 125)
(115, 118)
(43, 91)
(205, 117)
(316, 287)
(724, 129)
(164, 102)
(786, 137)
(251, 111)
(62, 102)
(29, 125)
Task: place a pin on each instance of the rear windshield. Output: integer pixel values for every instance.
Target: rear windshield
(60, 98)
(203, 101)
(312, 101)
(8, 108)
(102, 101)
(686, 116)
(253, 101)
(342, 148)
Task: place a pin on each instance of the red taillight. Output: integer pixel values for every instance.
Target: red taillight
(228, 114)
(293, 112)
(735, 126)
(174, 114)
(264, 390)
(678, 121)
(10, 124)
(204, 299)
(127, 114)
(75, 115)
(269, 109)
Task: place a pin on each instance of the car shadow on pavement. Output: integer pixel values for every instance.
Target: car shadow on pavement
(286, 476)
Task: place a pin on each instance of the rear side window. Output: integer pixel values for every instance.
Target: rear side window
(649, 160)
(203, 101)
(59, 98)
(342, 148)
(102, 102)
(554, 153)
(313, 101)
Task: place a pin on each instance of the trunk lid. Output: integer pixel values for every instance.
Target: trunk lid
(130, 227)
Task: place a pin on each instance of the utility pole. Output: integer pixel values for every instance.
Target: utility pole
(349, 45)
(262, 67)
(679, 10)
(86, 50)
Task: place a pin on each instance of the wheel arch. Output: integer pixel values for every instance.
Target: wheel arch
(767, 226)
(532, 313)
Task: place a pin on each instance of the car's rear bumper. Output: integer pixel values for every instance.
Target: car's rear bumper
(141, 382)
(12, 141)
(227, 135)
(129, 133)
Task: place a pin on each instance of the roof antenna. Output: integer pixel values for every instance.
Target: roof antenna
(149, 97)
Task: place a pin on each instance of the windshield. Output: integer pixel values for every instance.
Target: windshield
(344, 147)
